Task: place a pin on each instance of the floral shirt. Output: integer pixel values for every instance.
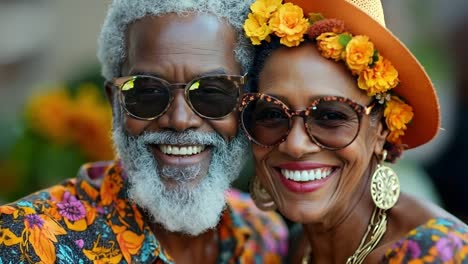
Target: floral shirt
(437, 241)
(89, 220)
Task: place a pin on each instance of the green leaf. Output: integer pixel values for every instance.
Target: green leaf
(375, 59)
(344, 39)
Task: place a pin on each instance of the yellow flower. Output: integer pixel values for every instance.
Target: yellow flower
(256, 29)
(329, 45)
(397, 115)
(359, 53)
(289, 24)
(265, 8)
(378, 79)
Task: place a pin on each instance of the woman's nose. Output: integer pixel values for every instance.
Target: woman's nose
(298, 143)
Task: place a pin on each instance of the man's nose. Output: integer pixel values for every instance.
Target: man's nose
(179, 116)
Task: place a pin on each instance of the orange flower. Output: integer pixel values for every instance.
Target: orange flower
(52, 211)
(289, 24)
(90, 124)
(48, 114)
(378, 79)
(129, 242)
(397, 115)
(329, 45)
(359, 53)
(7, 209)
(120, 206)
(84, 121)
(110, 187)
(41, 234)
(394, 137)
(89, 190)
(265, 8)
(91, 213)
(56, 192)
(256, 29)
(138, 216)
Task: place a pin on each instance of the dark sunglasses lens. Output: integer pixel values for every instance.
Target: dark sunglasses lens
(145, 97)
(333, 124)
(214, 96)
(265, 122)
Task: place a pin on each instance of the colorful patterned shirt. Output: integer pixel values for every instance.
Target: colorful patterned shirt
(89, 220)
(438, 241)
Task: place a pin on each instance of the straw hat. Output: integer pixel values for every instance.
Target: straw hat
(366, 17)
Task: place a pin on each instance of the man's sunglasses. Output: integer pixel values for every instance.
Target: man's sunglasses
(331, 122)
(147, 97)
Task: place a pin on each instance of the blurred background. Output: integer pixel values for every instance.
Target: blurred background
(54, 116)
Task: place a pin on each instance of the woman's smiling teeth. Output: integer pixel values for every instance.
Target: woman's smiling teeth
(181, 150)
(306, 175)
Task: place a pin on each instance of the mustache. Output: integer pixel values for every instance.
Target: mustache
(187, 137)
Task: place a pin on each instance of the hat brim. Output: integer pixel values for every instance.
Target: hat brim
(415, 86)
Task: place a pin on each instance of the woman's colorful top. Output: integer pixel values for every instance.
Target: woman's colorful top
(437, 241)
(88, 219)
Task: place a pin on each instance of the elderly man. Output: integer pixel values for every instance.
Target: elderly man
(174, 72)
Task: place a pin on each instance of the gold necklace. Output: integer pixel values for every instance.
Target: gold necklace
(377, 227)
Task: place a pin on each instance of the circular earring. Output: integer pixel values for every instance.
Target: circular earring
(385, 186)
(260, 196)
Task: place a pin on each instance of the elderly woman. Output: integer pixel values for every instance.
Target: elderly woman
(334, 94)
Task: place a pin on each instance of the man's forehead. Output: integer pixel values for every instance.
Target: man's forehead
(199, 40)
(179, 27)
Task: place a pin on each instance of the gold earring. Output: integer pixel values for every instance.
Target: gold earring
(260, 196)
(385, 186)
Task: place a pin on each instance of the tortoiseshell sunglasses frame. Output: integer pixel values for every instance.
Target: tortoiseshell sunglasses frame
(250, 97)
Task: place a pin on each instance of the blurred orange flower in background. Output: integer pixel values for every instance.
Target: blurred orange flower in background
(63, 127)
(82, 120)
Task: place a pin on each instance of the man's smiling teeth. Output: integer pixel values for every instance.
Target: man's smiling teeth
(181, 150)
(306, 175)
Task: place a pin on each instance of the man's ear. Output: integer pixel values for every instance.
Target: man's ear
(381, 137)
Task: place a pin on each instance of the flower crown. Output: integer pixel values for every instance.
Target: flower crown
(375, 74)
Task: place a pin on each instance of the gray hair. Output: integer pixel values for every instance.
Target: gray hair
(111, 43)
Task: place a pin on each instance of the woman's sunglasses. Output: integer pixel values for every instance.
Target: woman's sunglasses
(147, 97)
(331, 122)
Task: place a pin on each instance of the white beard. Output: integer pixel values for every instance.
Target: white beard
(185, 208)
